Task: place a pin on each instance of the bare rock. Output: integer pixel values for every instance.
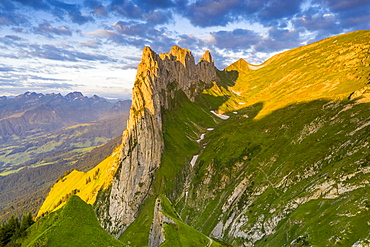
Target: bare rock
(158, 78)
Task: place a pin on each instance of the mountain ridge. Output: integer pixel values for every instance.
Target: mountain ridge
(32, 112)
(270, 172)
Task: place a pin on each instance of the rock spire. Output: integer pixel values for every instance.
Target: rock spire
(157, 79)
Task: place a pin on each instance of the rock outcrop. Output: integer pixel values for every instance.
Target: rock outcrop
(157, 80)
(157, 228)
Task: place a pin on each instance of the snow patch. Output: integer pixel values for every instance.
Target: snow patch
(255, 67)
(193, 160)
(201, 137)
(237, 93)
(224, 117)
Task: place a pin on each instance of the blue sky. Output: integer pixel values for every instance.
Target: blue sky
(94, 46)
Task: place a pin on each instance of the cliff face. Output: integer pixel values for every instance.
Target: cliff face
(158, 77)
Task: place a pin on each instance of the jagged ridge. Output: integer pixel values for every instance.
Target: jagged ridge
(157, 80)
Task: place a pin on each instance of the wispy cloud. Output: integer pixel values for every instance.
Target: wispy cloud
(78, 34)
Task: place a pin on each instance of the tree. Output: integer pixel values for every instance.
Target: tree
(13, 229)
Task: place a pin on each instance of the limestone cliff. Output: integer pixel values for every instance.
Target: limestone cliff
(157, 228)
(157, 79)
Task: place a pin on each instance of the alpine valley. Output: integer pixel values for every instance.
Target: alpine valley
(269, 155)
(44, 136)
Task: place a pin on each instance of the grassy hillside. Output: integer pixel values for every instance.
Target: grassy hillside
(294, 150)
(302, 160)
(289, 167)
(25, 191)
(177, 233)
(84, 184)
(329, 69)
(75, 224)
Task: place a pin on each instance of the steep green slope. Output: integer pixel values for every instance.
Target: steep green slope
(26, 190)
(292, 152)
(75, 224)
(176, 232)
(287, 166)
(255, 176)
(84, 184)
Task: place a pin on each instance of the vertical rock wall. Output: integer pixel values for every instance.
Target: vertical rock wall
(142, 140)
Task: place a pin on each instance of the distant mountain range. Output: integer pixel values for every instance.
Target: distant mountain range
(36, 113)
(49, 133)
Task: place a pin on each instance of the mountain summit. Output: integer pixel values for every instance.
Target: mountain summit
(158, 78)
(268, 155)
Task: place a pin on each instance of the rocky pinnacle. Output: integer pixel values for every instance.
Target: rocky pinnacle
(157, 79)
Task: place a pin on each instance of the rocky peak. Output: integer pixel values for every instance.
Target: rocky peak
(207, 57)
(28, 95)
(157, 79)
(74, 96)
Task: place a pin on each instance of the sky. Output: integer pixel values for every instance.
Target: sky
(95, 46)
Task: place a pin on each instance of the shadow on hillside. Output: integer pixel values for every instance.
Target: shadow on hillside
(214, 96)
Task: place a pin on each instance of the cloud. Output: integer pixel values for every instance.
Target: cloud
(8, 18)
(33, 77)
(46, 29)
(152, 12)
(93, 44)
(206, 13)
(125, 8)
(137, 35)
(190, 42)
(158, 17)
(58, 53)
(278, 40)
(103, 32)
(54, 85)
(277, 9)
(236, 40)
(142, 30)
(155, 4)
(7, 5)
(35, 4)
(5, 68)
(345, 5)
(97, 7)
(79, 18)
(73, 11)
(19, 30)
(13, 37)
(128, 66)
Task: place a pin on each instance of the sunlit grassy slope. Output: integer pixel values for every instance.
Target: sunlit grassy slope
(84, 184)
(329, 69)
(293, 153)
(75, 224)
